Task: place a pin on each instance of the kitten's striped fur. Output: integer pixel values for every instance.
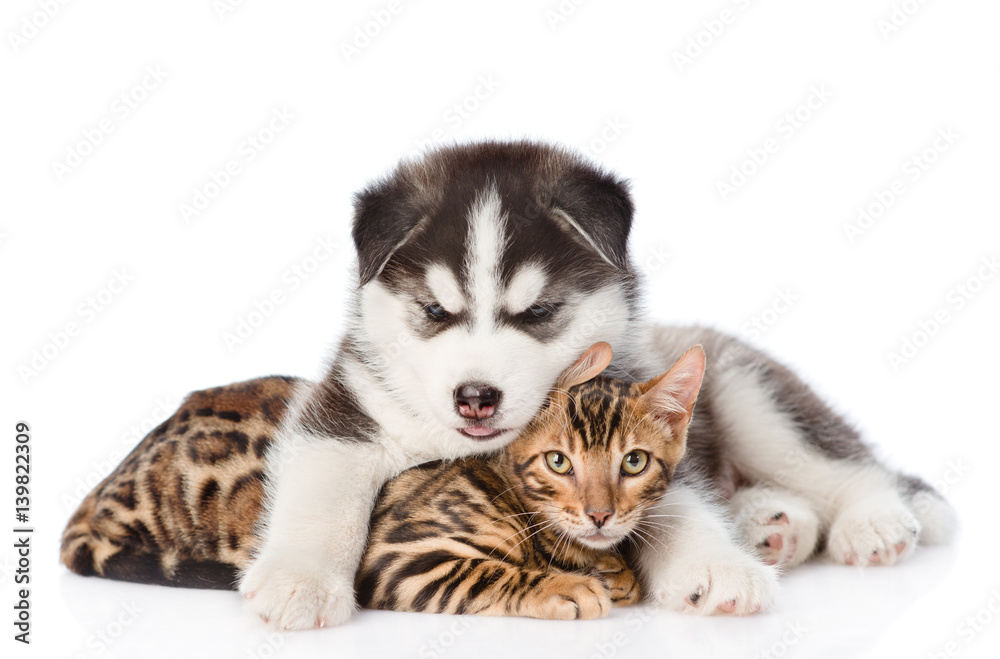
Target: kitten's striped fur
(505, 535)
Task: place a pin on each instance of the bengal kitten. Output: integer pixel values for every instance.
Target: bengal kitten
(535, 531)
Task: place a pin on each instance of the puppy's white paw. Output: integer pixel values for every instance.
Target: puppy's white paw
(781, 528)
(873, 532)
(290, 597)
(727, 581)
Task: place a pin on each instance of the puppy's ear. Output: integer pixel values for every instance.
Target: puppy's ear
(385, 216)
(597, 209)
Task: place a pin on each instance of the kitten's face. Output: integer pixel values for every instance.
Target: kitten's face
(596, 459)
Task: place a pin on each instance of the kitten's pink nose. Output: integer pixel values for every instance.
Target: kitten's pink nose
(599, 516)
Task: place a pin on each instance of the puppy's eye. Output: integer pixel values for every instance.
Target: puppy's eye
(436, 312)
(558, 462)
(634, 463)
(538, 312)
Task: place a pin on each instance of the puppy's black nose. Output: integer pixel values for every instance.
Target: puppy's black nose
(477, 401)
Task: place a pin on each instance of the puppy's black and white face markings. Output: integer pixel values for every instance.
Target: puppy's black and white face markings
(485, 271)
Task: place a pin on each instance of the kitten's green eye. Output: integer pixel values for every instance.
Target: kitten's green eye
(558, 462)
(635, 462)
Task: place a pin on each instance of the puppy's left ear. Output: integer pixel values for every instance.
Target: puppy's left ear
(597, 208)
(386, 214)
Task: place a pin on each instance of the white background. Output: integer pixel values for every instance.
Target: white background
(608, 80)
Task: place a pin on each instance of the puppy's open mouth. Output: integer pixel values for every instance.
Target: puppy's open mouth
(481, 432)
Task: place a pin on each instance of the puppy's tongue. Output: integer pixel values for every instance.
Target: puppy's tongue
(479, 431)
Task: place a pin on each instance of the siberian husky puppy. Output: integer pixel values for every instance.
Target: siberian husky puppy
(484, 271)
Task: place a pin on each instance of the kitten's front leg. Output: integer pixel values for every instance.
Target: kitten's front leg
(691, 563)
(315, 530)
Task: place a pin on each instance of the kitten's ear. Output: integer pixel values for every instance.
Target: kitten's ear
(671, 396)
(591, 363)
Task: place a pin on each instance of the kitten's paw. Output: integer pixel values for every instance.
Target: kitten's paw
(783, 530)
(873, 533)
(715, 582)
(287, 597)
(618, 579)
(571, 597)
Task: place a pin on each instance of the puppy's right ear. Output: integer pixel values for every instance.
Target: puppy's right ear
(591, 363)
(385, 216)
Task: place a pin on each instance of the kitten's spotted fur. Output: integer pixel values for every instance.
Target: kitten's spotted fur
(532, 532)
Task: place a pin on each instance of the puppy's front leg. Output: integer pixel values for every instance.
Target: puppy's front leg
(320, 498)
(691, 563)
